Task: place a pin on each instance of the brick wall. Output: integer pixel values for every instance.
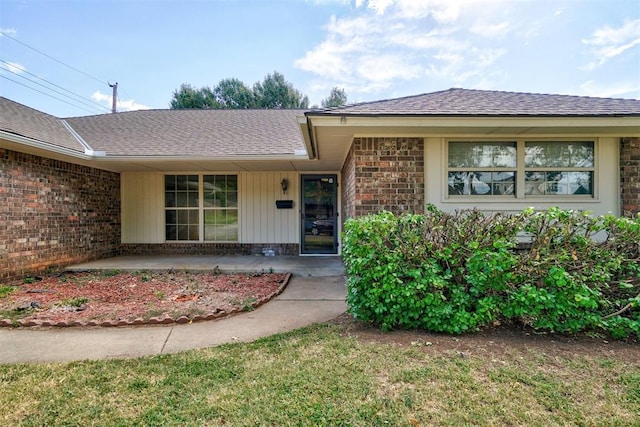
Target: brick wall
(384, 174)
(630, 176)
(54, 213)
(208, 248)
(349, 186)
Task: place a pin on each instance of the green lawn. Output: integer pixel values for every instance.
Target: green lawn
(318, 376)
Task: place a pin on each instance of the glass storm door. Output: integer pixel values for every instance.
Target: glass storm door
(319, 214)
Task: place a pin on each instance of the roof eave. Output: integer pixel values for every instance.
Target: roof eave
(307, 135)
(47, 147)
(234, 158)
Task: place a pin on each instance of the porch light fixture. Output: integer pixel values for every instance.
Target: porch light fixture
(284, 184)
(343, 120)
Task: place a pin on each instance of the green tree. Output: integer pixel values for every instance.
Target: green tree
(234, 94)
(337, 98)
(273, 92)
(189, 97)
(276, 92)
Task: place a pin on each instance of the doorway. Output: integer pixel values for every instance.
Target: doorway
(319, 214)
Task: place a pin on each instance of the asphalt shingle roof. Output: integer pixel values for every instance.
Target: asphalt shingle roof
(467, 102)
(21, 120)
(208, 133)
(226, 133)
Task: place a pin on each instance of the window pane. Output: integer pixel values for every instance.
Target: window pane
(232, 225)
(170, 217)
(232, 183)
(209, 190)
(503, 183)
(171, 232)
(534, 183)
(221, 224)
(232, 200)
(193, 232)
(558, 183)
(482, 183)
(482, 154)
(183, 216)
(183, 232)
(194, 216)
(193, 199)
(182, 199)
(220, 190)
(170, 182)
(559, 154)
(170, 199)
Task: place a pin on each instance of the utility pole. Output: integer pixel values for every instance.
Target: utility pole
(115, 96)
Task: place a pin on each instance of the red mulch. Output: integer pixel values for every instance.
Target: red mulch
(97, 296)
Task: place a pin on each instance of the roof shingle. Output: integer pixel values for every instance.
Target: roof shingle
(193, 133)
(21, 120)
(468, 102)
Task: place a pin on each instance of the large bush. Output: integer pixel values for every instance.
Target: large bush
(456, 272)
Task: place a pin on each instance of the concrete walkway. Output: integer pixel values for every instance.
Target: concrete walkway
(306, 300)
(319, 266)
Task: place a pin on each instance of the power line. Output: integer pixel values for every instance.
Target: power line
(80, 99)
(47, 94)
(52, 58)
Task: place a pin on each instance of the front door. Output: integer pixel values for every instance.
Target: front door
(319, 214)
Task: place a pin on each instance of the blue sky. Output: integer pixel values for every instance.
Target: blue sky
(374, 49)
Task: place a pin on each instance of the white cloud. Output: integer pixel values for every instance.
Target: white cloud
(379, 5)
(386, 43)
(488, 30)
(607, 42)
(619, 89)
(13, 67)
(8, 31)
(121, 105)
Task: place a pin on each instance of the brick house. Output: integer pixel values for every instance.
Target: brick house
(249, 181)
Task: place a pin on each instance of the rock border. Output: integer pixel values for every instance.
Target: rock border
(139, 321)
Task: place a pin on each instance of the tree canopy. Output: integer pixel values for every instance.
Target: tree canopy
(189, 97)
(337, 98)
(273, 92)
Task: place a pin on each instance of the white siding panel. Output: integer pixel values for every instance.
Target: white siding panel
(142, 207)
(261, 221)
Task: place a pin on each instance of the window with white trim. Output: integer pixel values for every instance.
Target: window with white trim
(520, 168)
(201, 208)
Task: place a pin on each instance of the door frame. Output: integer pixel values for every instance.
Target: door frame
(335, 250)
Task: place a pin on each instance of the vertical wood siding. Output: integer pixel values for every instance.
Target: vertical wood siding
(142, 207)
(260, 221)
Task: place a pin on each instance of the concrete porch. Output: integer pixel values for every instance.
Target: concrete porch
(317, 266)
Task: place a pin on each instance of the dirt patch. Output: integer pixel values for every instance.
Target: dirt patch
(495, 342)
(110, 299)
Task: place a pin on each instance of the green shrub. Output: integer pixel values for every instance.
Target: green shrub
(411, 271)
(456, 272)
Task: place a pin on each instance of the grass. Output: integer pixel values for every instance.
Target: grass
(314, 377)
(6, 290)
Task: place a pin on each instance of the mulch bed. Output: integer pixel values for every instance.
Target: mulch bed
(121, 299)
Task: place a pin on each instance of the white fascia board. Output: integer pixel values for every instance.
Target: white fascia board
(434, 121)
(34, 143)
(285, 157)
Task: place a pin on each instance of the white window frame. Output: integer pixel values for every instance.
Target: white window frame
(519, 196)
(201, 208)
